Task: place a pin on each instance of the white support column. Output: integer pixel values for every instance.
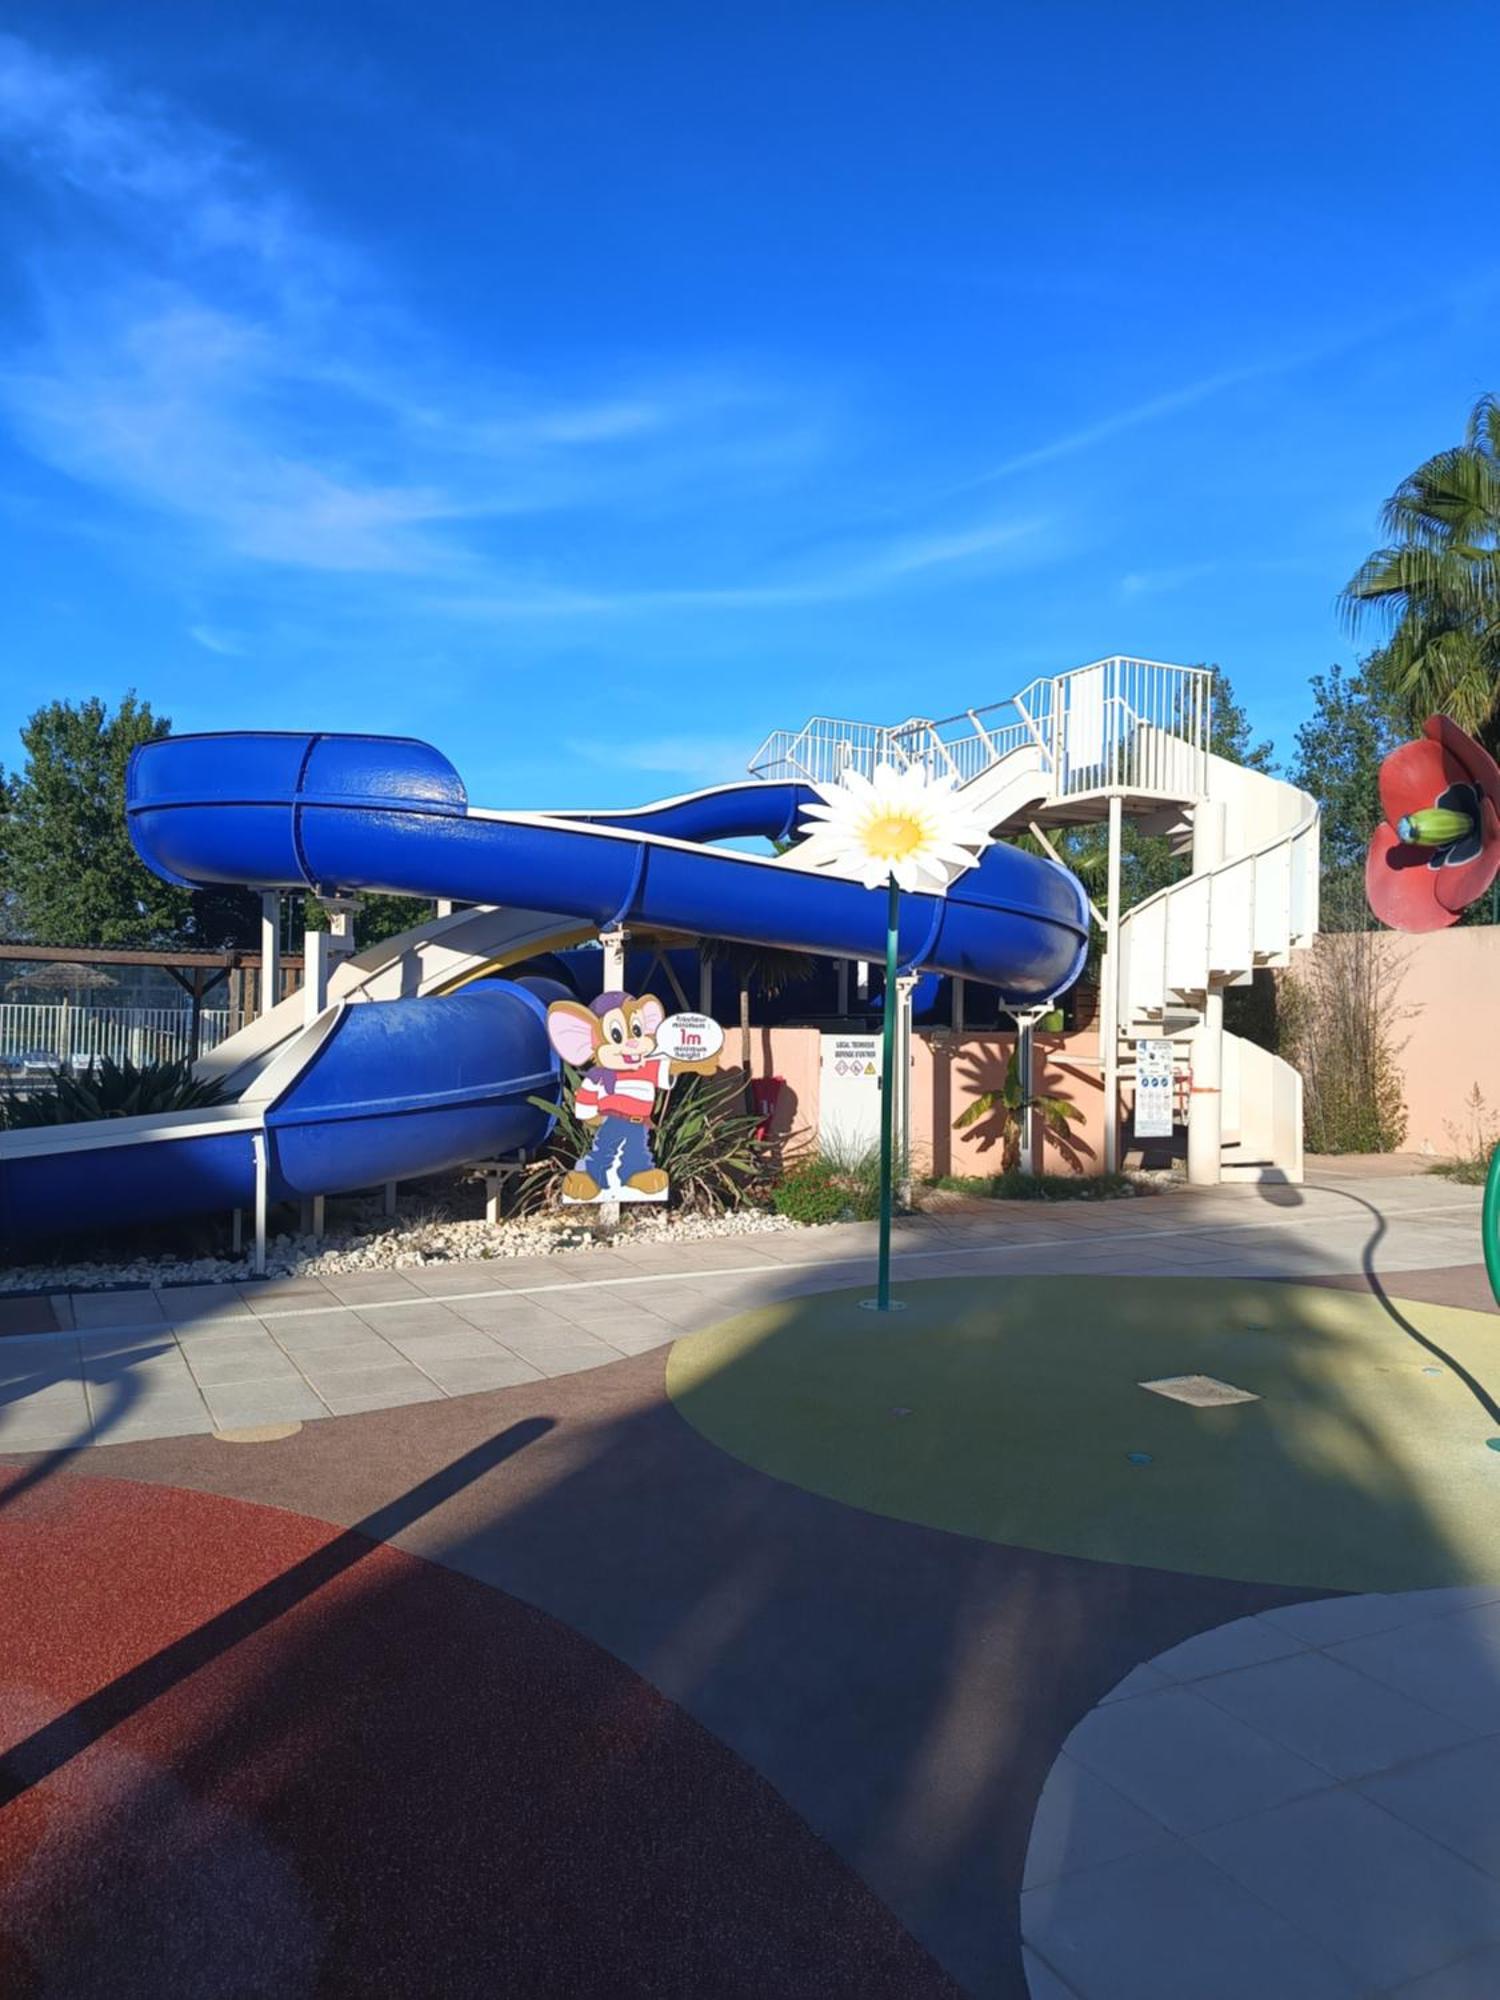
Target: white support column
(705, 985)
(905, 986)
(862, 983)
(388, 1198)
(843, 987)
(960, 997)
(258, 1150)
(270, 950)
(322, 950)
(1109, 994)
(1030, 1135)
(311, 1218)
(1205, 1160)
(1206, 1103)
(613, 942)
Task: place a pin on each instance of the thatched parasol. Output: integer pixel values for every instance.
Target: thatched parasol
(60, 976)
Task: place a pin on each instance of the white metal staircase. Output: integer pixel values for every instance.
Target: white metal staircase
(1130, 738)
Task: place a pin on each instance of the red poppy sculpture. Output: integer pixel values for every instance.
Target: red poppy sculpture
(1439, 849)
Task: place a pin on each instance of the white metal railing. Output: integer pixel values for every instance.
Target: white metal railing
(37, 1035)
(1119, 724)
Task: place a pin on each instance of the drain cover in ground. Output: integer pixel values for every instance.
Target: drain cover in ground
(1204, 1392)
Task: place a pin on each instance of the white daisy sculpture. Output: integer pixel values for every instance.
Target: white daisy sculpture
(904, 827)
(901, 830)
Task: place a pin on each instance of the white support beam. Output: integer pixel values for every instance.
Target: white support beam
(270, 950)
(613, 942)
(1109, 994)
(905, 986)
(258, 1151)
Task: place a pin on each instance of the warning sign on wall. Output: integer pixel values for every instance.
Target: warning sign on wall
(849, 1093)
(1155, 1091)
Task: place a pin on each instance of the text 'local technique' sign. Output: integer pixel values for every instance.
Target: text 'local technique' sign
(1155, 1090)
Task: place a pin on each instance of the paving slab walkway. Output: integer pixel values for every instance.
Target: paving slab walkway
(104, 1367)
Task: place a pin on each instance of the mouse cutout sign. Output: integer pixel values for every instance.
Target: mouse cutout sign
(630, 1053)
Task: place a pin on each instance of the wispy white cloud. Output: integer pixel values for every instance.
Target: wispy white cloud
(882, 567)
(1156, 582)
(229, 644)
(693, 759)
(234, 366)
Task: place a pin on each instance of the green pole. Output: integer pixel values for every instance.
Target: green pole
(888, 1092)
(1491, 1224)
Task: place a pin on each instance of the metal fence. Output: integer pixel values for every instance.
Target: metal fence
(1139, 726)
(37, 1036)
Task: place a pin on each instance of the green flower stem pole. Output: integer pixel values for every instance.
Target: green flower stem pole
(888, 1093)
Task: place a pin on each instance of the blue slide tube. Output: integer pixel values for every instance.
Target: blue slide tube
(352, 812)
(385, 1090)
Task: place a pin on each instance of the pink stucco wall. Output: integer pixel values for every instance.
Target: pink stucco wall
(1446, 1021)
(1446, 991)
(947, 1072)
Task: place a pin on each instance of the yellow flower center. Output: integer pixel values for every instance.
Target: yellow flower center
(894, 835)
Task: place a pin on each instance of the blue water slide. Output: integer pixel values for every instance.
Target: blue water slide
(387, 1089)
(380, 813)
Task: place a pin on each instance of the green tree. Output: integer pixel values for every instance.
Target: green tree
(71, 874)
(1437, 582)
(1340, 748)
(378, 917)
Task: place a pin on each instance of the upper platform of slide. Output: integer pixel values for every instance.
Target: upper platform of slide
(348, 813)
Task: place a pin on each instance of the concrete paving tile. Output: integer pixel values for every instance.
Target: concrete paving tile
(502, 1317)
(235, 1405)
(27, 1312)
(186, 1305)
(17, 1349)
(1451, 1798)
(355, 1402)
(1381, 1897)
(552, 1358)
(261, 1362)
(1140, 1680)
(1168, 1925)
(1081, 1822)
(430, 1316)
(1476, 1977)
(315, 1328)
(43, 1389)
(99, 1345)
(1244, 1642)
(62, 1308)
(1186, 1762)
(643, 1343)
(45, 1437)
(676, 1303)
(1336, 1718)
(140, 1430)
(110, 1309)
(331, 1367)
(1325, 1621)
(357, 1288)
(466, 1376)
(265, 1294)
(459, 1342)
(475, 1275)
(1042, 1983)
(1452, 1664)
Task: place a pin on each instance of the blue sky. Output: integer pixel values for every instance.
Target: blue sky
(591, 389)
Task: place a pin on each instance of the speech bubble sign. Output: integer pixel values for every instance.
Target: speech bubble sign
(689, 1037)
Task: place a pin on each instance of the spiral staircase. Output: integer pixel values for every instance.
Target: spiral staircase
(1118, 739)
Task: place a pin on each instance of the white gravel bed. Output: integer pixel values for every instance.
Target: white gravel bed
(386, 1244)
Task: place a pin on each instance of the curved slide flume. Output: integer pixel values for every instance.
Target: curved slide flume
(385, 1089)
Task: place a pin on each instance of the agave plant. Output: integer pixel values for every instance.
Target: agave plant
(702, 1141)
(112, 1090)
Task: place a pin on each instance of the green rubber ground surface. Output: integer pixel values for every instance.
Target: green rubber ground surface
(1009, 1409)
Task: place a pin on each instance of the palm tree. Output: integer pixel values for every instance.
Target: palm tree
(1438, 580)
(764, 968)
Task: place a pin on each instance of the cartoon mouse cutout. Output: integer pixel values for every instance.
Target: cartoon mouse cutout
(614, 1041)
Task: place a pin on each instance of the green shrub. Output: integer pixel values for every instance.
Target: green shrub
(113, 1090)
(830, 1187)
(1013, 1185)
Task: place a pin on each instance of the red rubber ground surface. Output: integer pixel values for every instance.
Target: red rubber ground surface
(331, 1768)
